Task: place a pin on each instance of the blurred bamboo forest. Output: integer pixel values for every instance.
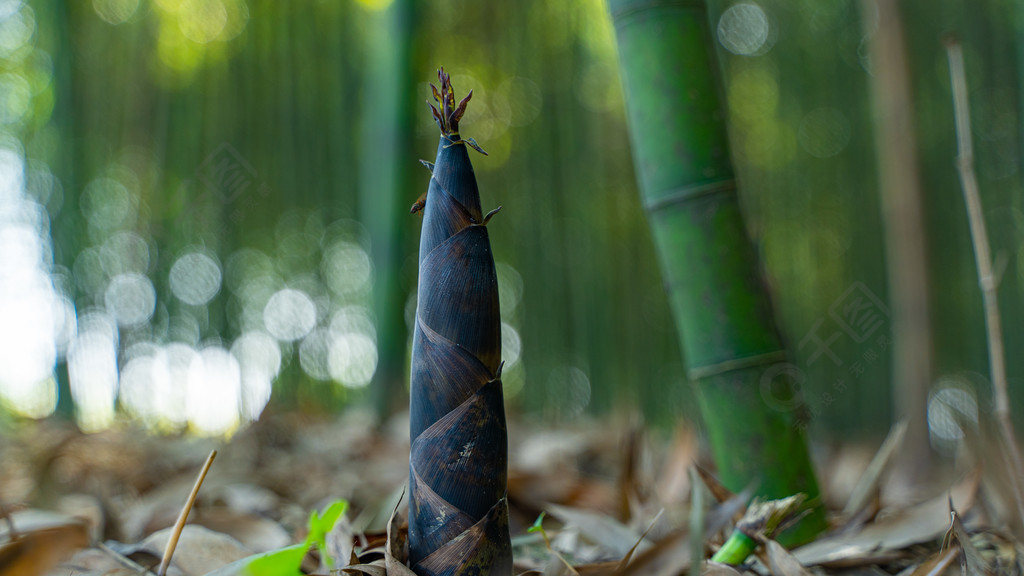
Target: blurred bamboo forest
(205, 203)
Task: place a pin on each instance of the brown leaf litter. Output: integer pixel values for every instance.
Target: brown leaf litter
(618, 501)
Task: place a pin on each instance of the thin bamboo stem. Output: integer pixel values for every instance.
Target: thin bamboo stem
(905, 237)
(986, 277)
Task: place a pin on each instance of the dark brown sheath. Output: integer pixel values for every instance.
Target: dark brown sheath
(458, 517)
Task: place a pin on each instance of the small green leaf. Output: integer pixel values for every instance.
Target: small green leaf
(321, 524)
(286, 561)
(283, 562)
(476, 146)
(538, 524)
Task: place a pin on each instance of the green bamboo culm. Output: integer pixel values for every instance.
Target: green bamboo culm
(722, 311)
(458, 464)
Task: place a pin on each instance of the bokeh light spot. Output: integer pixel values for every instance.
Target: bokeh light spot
(244, 266)
(313, 354)
(15, 98)
(195, 278)
(202, 21)
(92, 372)
(106, 204)
(598, 88)
(258, 351)
(568, 391)
(136, 388)
(744, 29)
(259, 357)
(951, 405)
(346, 268)
(352, 359)
(510, 289)
(375, 5)
(8, 7)
(131, 299)
(354, 319)
(115, 11)
(213, 392)
(289, 314)
(769, 144)
(753, 94)
(523, 99)
(511, 345)
(16, 30)
(124, 252)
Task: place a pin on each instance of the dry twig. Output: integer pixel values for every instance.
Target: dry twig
(172, 542)
(986, 277)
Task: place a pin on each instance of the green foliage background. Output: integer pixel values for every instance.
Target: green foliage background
(147, 91)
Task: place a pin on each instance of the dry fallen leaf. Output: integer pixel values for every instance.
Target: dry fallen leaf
(200, 550)
(255, 532)
(667, 557)
(884, 538)
(375, 568)
(781, 562)
(96, 562)
(867, 487)
(937, 563)
(42, 540)
(674, 481)
(394, 551)
(601, 529)
(716, 569)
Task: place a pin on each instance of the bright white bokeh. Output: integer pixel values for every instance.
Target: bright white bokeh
(352, 359)
(213, 392)
(135, 394)
(259, 358)
(952, 404)
(352, 349)
(92, 371)
(345, 351)
(17, 27)
(37, 320)
(32, 314)
(289, 314)
(9, 7)
(357, 319)
(744, 29)
(130, 298)
(124, 252)
(346, 268)
(511, 345)
(195, 278)
(152, 385)
(313, 354)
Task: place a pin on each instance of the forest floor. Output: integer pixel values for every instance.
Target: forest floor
(616, 500)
